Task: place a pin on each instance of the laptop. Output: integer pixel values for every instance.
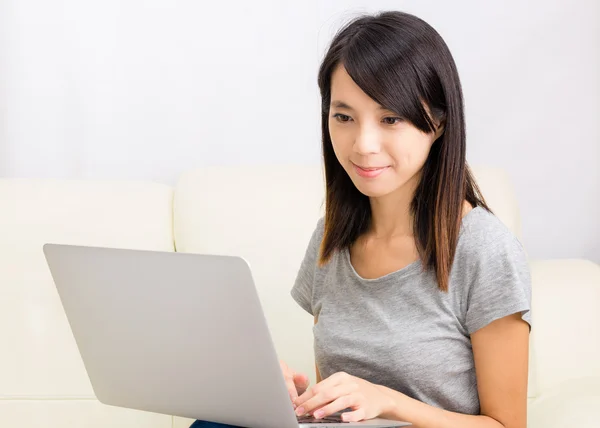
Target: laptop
(176, 333)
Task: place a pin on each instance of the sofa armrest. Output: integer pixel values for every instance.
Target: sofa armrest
(574, 403)
(565, 335)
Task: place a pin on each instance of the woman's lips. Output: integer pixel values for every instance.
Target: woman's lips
(369, 172)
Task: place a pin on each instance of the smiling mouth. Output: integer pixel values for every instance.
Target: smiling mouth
(371, 168)
(369, 172)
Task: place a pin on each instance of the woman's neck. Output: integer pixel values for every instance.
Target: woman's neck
(391, 214)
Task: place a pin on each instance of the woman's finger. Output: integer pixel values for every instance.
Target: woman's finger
(290, 383)
(324, 385)
(291, 387)
(324, 396)
(338, 405)
(355, 416)
(301, 381)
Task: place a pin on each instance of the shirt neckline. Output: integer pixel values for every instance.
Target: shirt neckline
(409, 269)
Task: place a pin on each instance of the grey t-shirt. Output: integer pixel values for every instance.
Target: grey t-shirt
(400, 330)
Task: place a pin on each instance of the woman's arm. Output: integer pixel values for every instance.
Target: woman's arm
(501, 354)
(316, 368)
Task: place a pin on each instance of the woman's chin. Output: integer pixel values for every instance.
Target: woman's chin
(373, 190)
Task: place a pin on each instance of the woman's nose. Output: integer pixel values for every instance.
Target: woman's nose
(368, 141)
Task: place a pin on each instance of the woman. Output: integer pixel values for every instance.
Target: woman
(421, 296)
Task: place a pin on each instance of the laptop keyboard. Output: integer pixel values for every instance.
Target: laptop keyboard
(326, 420)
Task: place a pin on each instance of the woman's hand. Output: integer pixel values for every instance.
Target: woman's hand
(296, 382)
(341, 391)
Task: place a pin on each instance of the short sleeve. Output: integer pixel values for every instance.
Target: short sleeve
(500, 282)
(302, 291)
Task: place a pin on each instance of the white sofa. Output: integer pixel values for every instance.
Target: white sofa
(266, 215)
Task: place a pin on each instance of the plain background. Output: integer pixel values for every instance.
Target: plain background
(125, 89)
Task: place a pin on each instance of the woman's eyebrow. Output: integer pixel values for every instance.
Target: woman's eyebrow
(342, 104)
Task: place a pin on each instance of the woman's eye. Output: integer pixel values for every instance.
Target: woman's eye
(341, 117)
(392, 120)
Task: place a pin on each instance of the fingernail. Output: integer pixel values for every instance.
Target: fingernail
(319, 414)
(300, 411)
(294, 404)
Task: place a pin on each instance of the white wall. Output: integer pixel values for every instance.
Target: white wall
(147, 89)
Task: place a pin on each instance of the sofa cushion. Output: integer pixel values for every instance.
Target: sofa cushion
(40, 359)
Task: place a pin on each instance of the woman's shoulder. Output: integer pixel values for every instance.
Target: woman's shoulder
(481, 229)
(486, 244)
(318, 233)
(312, 250)
(490, 270)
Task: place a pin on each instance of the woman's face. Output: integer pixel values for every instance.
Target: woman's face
(380, 151)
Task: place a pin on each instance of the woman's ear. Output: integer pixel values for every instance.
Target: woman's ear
(439, 131)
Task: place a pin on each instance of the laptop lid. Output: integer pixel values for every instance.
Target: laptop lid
(172, 333)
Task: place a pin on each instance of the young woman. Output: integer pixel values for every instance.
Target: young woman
(421, 296)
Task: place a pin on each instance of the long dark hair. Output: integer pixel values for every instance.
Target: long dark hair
(402, 63)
